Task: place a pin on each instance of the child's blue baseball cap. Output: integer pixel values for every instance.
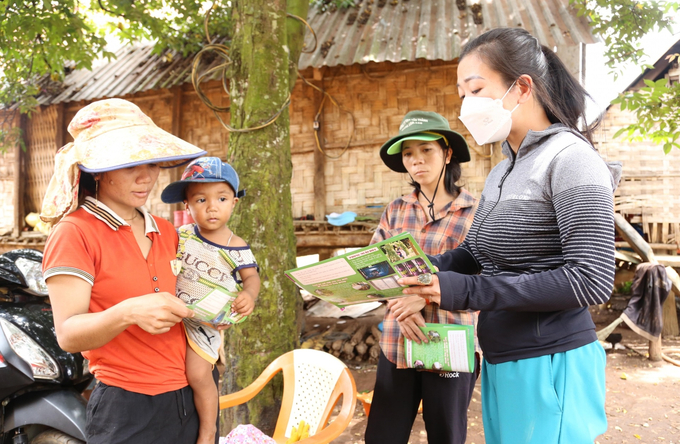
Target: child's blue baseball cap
(202, 170)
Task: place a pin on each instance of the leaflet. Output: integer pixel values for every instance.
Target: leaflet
(451, 348)
(365, 275)
(215, 308)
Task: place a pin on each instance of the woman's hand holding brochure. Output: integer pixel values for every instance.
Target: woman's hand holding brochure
(431, 292)
(409, 328)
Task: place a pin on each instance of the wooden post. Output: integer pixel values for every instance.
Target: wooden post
(19, 180)
(60, 134)
(643, 249)
(176, 130)
(571, 57)
(319, 157)
(670, 315)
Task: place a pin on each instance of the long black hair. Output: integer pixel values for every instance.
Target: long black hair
(513, 52)
(451, 174)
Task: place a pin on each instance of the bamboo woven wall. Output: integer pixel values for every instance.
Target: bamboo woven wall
(41, 146)
(649, 191)
(378, 101)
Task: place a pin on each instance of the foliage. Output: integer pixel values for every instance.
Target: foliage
(39, 39)
(621, 24)
(657, 107)
(625, 288)
(173, 24)
(43, 40)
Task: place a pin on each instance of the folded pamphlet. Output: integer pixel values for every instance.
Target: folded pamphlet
(215, 308)
(451, 348)
(368, 274)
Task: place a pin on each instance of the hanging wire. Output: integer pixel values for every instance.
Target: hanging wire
(205, 22)
(316, 41)
(317, 125)
(222, 51)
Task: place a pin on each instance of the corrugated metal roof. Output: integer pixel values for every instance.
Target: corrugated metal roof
(406, 30)
(376, 31)
(134, 69)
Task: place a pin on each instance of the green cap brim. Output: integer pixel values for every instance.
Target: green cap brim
(396, 146)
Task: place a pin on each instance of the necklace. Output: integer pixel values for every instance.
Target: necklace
(133, 217)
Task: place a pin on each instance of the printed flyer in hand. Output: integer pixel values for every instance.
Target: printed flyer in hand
(364, 275)
(451, 348)
(215, 308)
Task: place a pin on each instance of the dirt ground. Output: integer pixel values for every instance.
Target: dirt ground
(643, 397)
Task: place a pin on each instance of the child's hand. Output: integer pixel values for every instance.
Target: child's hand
(244, 303)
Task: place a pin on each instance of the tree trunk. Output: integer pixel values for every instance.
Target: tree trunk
(260, 85)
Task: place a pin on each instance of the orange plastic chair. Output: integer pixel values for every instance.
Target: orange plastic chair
(313, 382)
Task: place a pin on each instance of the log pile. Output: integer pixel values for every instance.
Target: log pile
(356, 342)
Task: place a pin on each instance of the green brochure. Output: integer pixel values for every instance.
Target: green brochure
(364, 275)
(215, 308)
(451, 348)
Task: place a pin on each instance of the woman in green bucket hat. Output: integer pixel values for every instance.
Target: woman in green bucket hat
(438, 214)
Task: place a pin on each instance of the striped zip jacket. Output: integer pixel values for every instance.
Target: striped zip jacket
(540, 249)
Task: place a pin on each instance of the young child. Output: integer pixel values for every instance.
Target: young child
(211, 256)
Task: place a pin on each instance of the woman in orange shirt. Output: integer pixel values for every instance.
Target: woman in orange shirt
(108, 268)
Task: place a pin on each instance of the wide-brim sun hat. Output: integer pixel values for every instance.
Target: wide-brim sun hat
(114, 133)
(426, 126)
(109, 135)
(202, 170)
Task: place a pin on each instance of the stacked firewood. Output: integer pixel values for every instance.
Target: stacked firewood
(357, 342)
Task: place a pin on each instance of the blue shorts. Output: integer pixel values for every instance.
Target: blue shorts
(552, 399)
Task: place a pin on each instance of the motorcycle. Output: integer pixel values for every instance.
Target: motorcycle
(41, 385)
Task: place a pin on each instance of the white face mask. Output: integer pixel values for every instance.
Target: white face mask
(486, 119)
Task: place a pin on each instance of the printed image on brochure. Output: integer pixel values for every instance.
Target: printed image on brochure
(215, 308)
(364, 275)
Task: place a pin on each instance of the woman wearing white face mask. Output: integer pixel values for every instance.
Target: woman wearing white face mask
(540, 249)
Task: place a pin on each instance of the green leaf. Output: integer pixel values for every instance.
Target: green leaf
(619, 132)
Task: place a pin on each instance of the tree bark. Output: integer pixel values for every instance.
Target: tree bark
(260, 84)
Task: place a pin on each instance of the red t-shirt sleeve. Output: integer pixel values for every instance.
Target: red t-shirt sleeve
(68, 252)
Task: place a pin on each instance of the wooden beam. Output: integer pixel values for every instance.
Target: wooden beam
(333, 240)
(655, 246)
(634, 239)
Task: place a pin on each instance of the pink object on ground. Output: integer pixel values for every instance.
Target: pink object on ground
(246, 434)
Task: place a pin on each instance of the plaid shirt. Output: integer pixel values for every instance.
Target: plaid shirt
(446, 233)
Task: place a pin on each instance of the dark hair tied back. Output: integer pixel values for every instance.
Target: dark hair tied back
(514, 52)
